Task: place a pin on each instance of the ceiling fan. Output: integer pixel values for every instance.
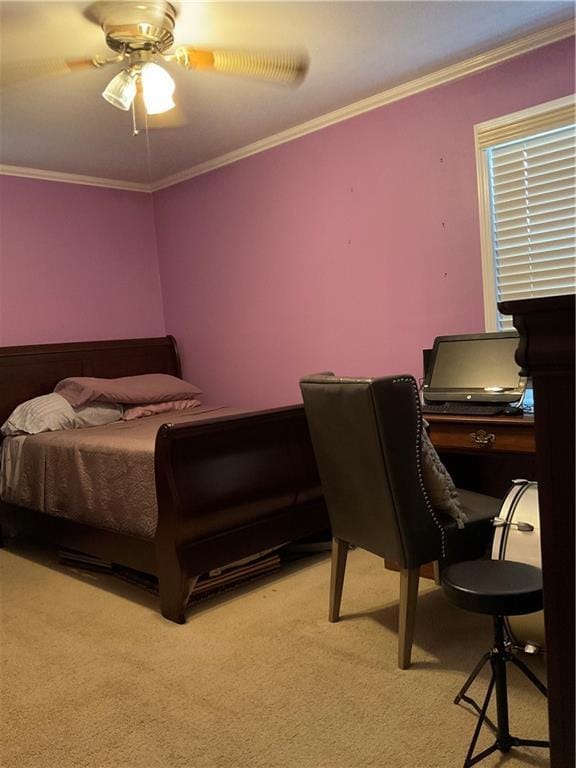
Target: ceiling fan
(141, 34)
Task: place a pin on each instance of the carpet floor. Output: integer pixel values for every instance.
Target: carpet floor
(93, 677)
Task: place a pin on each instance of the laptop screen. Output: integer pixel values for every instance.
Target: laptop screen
(478, 368)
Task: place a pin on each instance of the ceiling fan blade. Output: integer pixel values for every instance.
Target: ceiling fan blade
(285, 68)
(27, 71)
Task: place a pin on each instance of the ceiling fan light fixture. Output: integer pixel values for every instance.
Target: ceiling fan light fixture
(121, 90)
(157, 89)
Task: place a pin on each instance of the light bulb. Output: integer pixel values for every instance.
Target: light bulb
(157, 89)
(121, 90)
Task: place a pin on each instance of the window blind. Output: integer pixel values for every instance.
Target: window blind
(533, 205)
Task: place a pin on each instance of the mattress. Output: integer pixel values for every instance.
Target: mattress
(100, 476)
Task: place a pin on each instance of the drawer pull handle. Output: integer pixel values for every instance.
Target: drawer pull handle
(481, 437)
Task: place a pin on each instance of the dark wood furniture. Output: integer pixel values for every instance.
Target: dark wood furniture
(485, 453)
(254, 475)
(546, 353)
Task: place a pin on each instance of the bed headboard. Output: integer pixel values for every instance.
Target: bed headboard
(29, 371)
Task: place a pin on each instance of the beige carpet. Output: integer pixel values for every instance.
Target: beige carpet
(93, 677)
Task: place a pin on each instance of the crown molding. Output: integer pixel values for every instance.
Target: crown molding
(447, 74)
(72, 178)
(441, 76)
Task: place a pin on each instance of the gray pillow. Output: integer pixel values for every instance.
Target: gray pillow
(50, 413)
(439, 485)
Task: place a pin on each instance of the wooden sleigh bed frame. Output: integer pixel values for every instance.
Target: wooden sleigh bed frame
(255, 472)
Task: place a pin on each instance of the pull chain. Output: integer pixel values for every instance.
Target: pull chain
(135, 130)
(148, 155)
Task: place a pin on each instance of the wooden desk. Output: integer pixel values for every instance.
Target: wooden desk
(485, 453)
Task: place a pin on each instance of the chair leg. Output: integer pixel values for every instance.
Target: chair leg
(408, 598)
(339, 556)
(437, 573)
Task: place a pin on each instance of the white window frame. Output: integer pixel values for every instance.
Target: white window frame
(491, 133)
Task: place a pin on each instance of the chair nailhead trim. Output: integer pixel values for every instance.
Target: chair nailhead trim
(412, 382)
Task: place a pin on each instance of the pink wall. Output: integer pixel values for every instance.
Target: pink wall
(76, 263)
(349, 249)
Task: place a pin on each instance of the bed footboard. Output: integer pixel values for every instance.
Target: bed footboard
(228, 488)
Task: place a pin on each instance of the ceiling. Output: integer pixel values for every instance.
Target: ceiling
(356, 49)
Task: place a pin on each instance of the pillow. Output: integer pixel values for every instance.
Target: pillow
(138, 411)
(147, 388)
(49, 413)
(438, 483)
(97, 414)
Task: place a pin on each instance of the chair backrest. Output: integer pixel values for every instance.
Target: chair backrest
(366, 435)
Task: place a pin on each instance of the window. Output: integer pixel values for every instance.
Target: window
(526, 166)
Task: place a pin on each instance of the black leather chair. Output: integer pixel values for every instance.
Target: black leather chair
(498, 588)
(366, 436)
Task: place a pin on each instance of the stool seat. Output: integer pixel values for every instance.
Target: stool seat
(496, 587)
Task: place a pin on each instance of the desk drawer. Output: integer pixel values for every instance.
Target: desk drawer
(483, 438)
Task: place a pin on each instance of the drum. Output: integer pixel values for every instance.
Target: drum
(517, 538)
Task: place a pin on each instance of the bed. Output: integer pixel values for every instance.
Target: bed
(219, 485)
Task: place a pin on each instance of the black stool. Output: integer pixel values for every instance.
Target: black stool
(499, 588)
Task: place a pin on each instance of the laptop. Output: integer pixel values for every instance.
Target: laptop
(473, 373)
